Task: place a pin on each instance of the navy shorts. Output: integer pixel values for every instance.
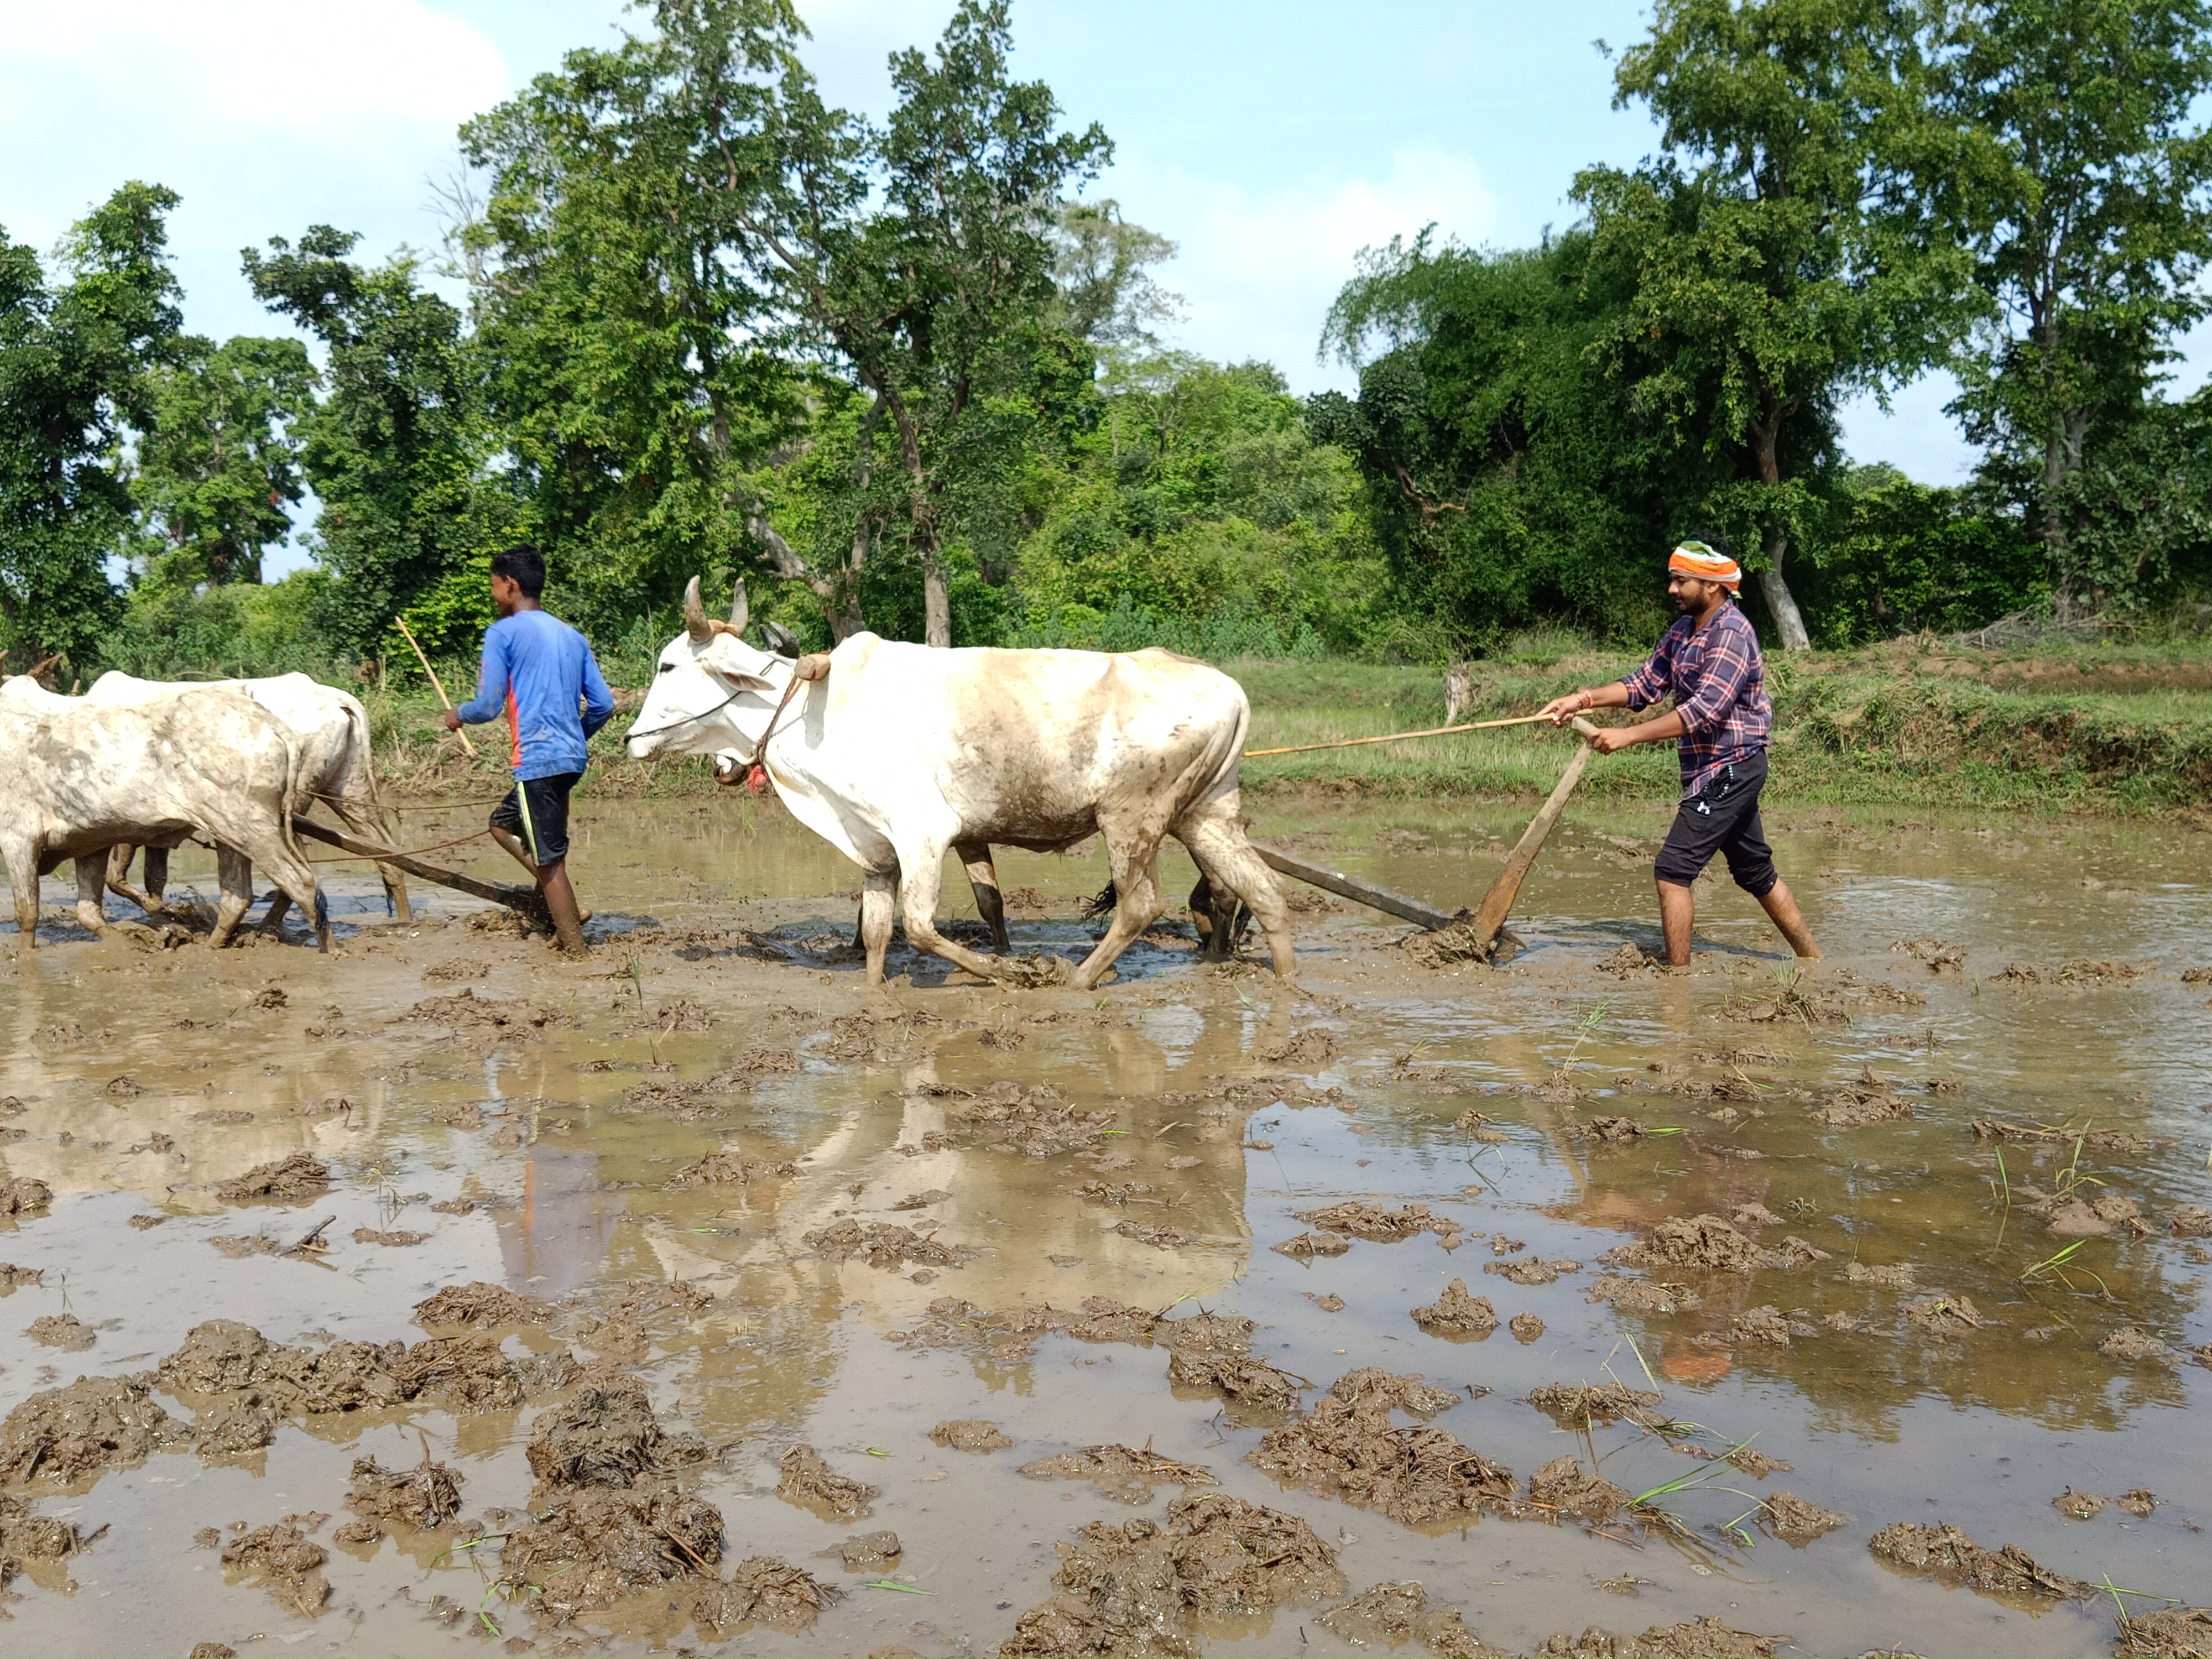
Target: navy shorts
(538, 810)
(1722, 817)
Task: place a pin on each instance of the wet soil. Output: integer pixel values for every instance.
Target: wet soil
(538, 1284)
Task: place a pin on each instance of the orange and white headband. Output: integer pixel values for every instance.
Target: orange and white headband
(1696, 559)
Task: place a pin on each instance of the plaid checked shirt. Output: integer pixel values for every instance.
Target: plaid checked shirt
(1718, 681)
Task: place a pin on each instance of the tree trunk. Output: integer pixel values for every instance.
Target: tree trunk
(2062, 458)
(936, 597)
(1789, 621)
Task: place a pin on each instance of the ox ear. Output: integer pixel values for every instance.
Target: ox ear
(694, 615)
(740, 610)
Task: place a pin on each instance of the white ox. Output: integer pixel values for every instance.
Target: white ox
(81, 777)
(899, 752)
(336, 767)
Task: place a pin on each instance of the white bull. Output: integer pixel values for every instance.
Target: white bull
(77, 778)
(336, 760)
(899, 752)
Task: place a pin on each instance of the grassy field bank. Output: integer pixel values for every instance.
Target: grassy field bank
(2114, 729)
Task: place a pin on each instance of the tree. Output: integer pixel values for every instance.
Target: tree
(1779, 255)
(396, 447)
(917, 256)
(219, 468)
(616, 337)
(1099, 264)
(2084, 187)
(1507, 476)
(73, 382)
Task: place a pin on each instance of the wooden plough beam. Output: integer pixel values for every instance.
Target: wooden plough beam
(1497, 904)
(525, 900)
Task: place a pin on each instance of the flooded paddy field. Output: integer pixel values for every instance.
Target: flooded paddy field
(1432, 1308)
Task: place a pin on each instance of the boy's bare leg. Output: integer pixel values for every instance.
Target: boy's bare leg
(561, 903)
(1678, 910)
(1781, 907)
(516, 849)
(521, 854)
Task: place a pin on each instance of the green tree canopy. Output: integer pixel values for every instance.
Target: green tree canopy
(73, 380)
(1777, 255)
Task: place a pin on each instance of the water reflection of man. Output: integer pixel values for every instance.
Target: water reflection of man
(1709, 661)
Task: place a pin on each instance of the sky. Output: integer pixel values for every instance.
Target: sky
(1271, 142)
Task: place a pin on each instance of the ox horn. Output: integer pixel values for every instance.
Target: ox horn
(694, 615)
(740, 610)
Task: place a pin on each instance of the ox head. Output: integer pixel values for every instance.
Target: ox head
(712, 693)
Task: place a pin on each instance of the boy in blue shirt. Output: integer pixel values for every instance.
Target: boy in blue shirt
(537, 670)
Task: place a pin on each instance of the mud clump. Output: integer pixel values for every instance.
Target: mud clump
(235, 1429)
(1895, 1275)
(1944, 1315)
(2130, 1342)
(1134, 1590)
(2082, 971)
(1764, 1324)
(1456, 1312)
(460, 970)
(1393, 1614)
(1531, 1270)
(1307, 1048)
(811, 1484)
(607, 1436)
(1642, 1296)
(480, 1306)
(1526, 1328)
(1795, 1521)
(1119, 1472)
(1943, 1552)
(2170, 1633)
(879, 1243)
(1577, 1405)
(2072, 1217)
(1358, 1221)
(2191, 1221)
(729, 1168)
(1701, 1241)
(1211, 1350)
(27, 1536)
(94, 1425)
(286, 1561)
(1856, 1108)
(2081, 1505)
(63, 1331)
(870, 1551)
(24, 1195)
(970, 1434)
(465, 1012)
(292, 1179)
(1029, 1123)
(1348, 1446)
(11, 1276)
(427, 1496)
(587, 1549)
(1606, 1131)
(2096, 1140)
(1306, 1246)
(397, 1240)
(1561, 1487)
(1699, 1638)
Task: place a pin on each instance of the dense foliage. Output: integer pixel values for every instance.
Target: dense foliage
(902, 375)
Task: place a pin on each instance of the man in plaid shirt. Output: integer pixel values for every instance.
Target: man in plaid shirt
(1709, 662)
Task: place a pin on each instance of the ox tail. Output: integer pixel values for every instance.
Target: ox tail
(298, 793)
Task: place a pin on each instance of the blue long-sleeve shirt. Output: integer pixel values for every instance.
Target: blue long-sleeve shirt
(536, 670)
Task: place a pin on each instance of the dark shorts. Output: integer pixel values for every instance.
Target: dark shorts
(1722, 817)
(544, 826)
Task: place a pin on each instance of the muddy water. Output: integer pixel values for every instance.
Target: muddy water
(145, 1079)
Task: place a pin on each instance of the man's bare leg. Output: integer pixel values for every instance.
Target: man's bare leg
(1678, 909)
(1781, 907)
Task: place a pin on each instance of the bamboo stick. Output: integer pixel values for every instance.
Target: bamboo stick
(437, 684)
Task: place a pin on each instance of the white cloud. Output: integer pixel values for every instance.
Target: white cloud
(265, 115)
(1260, 271)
